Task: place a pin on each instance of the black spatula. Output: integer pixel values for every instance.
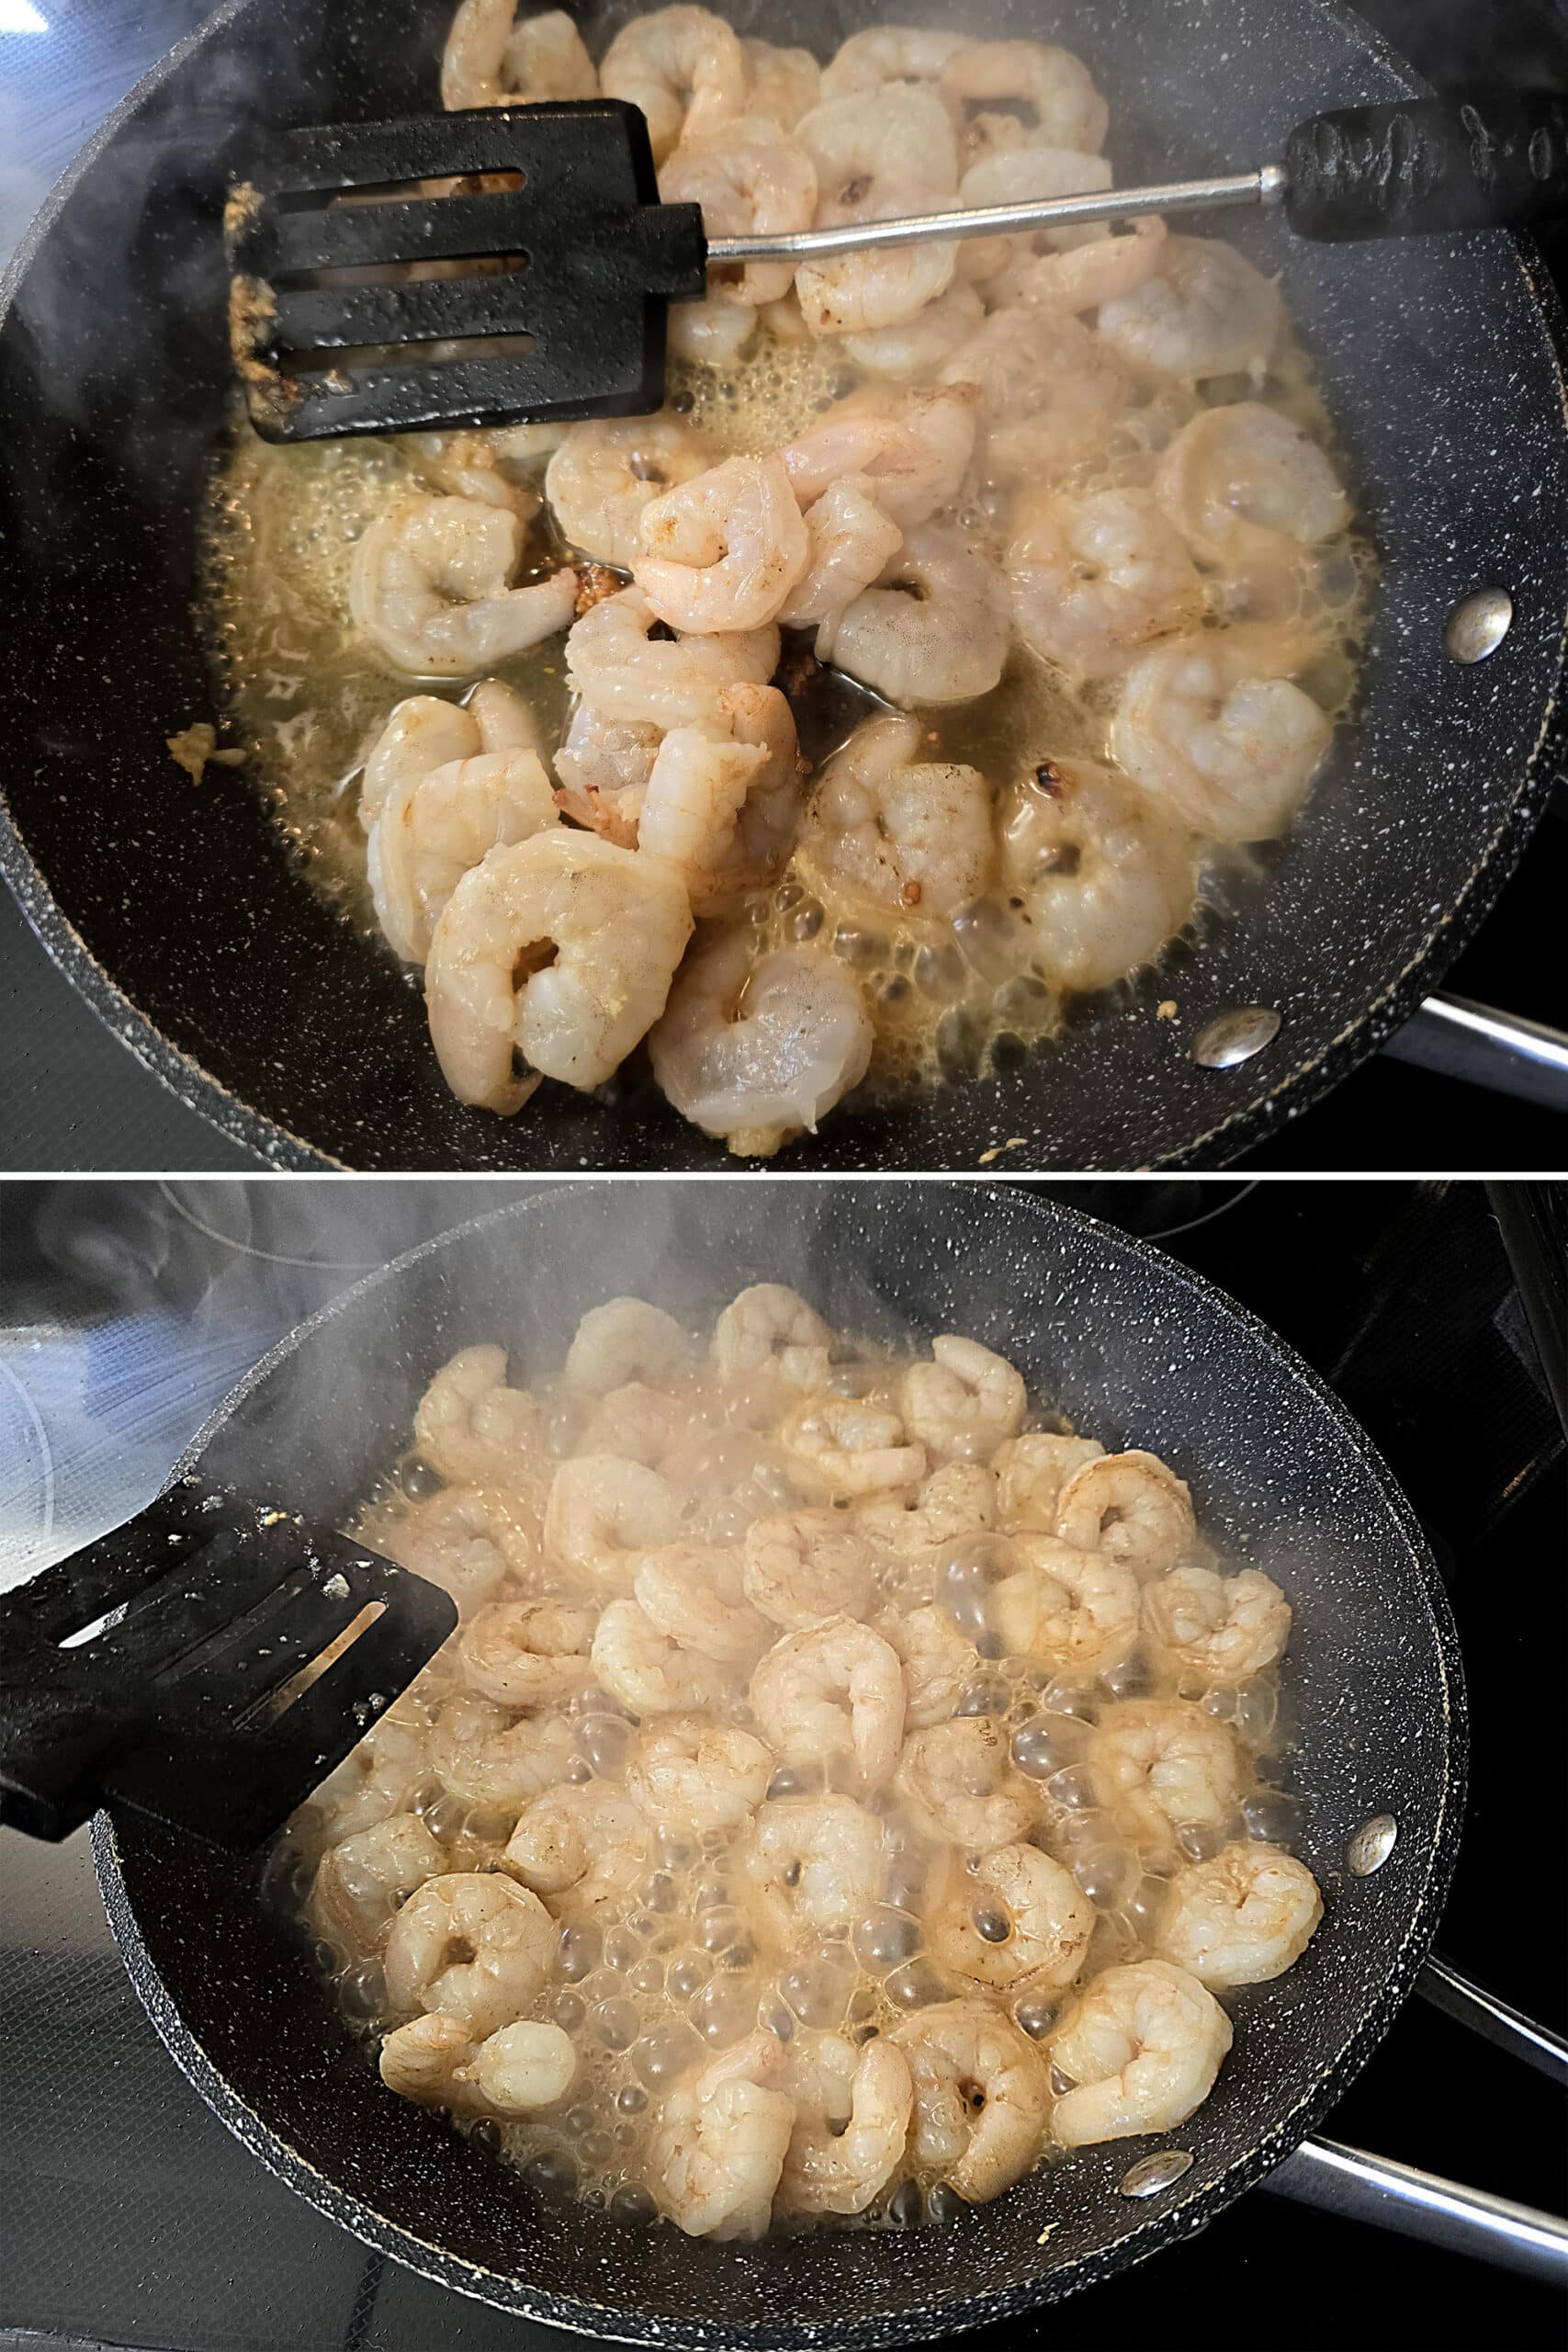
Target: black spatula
(166, 1667)
(580, 259)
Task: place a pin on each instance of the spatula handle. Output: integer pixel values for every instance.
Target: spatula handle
(1470, 159)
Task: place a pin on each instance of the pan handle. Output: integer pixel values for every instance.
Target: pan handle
(1459, 1039)
(1391, 2196)
(1508, 2027)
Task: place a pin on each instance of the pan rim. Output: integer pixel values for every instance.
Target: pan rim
(961, 2313)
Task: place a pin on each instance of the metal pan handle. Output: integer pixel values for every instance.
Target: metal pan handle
(1508, 2027)
(1397, 2196)
(1459, 1039)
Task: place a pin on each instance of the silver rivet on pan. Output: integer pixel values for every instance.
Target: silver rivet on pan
(1151, 2174)
(1371, 1845)
(1478, 624)
(1233, 1037)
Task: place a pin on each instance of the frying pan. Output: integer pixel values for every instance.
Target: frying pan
(178, 911)
(1132, 1347)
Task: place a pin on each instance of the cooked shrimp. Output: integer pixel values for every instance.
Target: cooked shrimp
(875, 163)
(865, 62)
(722, 551)
(1208, 313)
(693, 1593)
(378, 1777)
(421, 733)
(562, 949)
(494, 58)
(1141, 2047)
(1105, 881)
(958, 1782)
(836, 2164)
(982, 2095)
(482, 1756)
(964, 1402)
(938, 1662)
(721, 2145)
(589, 1843)
(1052, 85)
(473, 1946)
(764, 827)
(604, 1511)
(713, 332)
(913, 835)
(483, 465)
(1211, 727)
(625, 1338)
(804, 1569)
(835, 1690)
(618, 669)
(646, 1671)
(1095, 580)
(851, 544)
(696, 787)
(634, 1423)
(1246, 485)
(1028, 174)
(428, 2060)
(471, 1426)
(700, 1776)
(912, 442)
(361, 1879)
(1132, 1506)
(958, 1499)
(602, 766)
(755, 1053)
(819, 1859)
(752, 180)
(855, 1449)
(783, 84)
(521, 2067)
(919, 346)
(527, 1653)
(1160, 1764)
(1242, 1918)
(1100, 270)
(683, 66)
(436, 827)
(771, 1328)
(463, 1540)
(935, 628)
(1030, 1472)
(604, 474)
(1013, 1917)
(1051, 392)
(1070, 1607)
(1225, 1627)
(429, 587)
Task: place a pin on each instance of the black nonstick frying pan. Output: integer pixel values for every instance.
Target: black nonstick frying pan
(1131, 1346)
(178, 912)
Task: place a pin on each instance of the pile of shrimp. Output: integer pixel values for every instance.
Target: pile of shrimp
(1059, 505)
(839, 1794)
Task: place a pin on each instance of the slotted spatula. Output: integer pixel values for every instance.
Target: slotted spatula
(581, 260)
(155, 1669)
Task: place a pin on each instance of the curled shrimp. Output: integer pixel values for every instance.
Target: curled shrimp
(748, 850)
(907, 834)
(562, 949)
(1095, 580)
(1132, 1506)
(713, 332)
(958, 1499)
(938, 1662)
(867, 61)
(781, 83)
(1014, 1918)
(647, 1671)
(1050, 393)
(693, 1593)
(1101, 269)
(1207, 312)
(964, 1403)
(436, 827)
(835, 1690)
(722, 551)
(1026, 174)
(526, 1653)
(750, 179)
(683, 66)
(602, 766)
(1030, 1472)
(912, 443)
(804, 1569)
(756, 1052)
(495, 58)
(700, 1776)
(606, 472)
(424, 733)
(378, 1777)
(1242, 1918)
(429, 587)
(854, 1448)
(1141, 2047)
(851, 544)
(634, 1423)
(489, 466)
(623, 1339)
(604, 1511)
(1160, 1765)
(1214, 732)
(1105, 879)
(875, 163)
(696, 789)
(917, 346)
(589, 1844)
(770, 1327)
(1067, 1607)
(1225, 1627)
(470, 1425)
(839, 2159)
(440, 2061)
(361, 1879)
(982, 2095)
(483, 1756)
(958, 1782)
(465, 1540)
(1031, 78)
(934, 629)
(625, 674)
(721, 2144)
(473, 1946)
(1243, 485)
(817, 1859)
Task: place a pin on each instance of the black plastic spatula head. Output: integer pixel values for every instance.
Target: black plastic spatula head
(538, 291)
(167, 1667)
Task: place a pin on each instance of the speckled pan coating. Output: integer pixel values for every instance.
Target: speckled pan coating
(176, 912)
(1136, 1349)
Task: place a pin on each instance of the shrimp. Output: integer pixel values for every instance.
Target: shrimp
(482, 466)
(1050, 392)
(635, 1423)
(875, 164)
(700, 1776)
(1101, 269)
(958, 1499)
(958, 1782)
(907, 834)
(429, 586)
(1094, 580)
(646, 1671)
(818, 1859)
(423, 732)
(771, 1328)
(1029, 173)
(1105, 880)
(1159, 1764)
(913, 444)
(835, 1690)
(683, 66)
(625, 1338)
(473, 1946)
(852, 542)
(1225, 1627)
(1246, 485)
(436, 828)
(1242, 1918)
(604, 1511)
(602, 766)
(361, 1879)
(1070, 1607)
(933, 630)
(603, 474)
(1030, 1472)
(865, 62)
(938, 1662)
(526, 1653)
(693, 1593)
(762, 834)
(1132, 1506)
(492, 1762)
(755, 1053)
(783, 84)
(713, 332)
(722, 551)
(1214, 731)
(982, 2095)
(1208, 313)
(1141, 2047)
(917, 346)
(562, 949)
(1052, 85)
(750, 179)
(964, 1402)
(521, 2067)
(461, 1540)
(696, 789)
(804, 1569)
(837, 2162)
(720, 2146)
(620, 671)
(378, 1777)
(428, 2060)
(1014, 1916)
(471, 1426)
(589, 1844)
(493, 58)
(855, 1449)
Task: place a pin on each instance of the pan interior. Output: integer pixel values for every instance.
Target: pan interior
(1133, 1351)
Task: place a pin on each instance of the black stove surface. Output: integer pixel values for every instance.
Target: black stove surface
(131, 2218)
(74, 1098)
